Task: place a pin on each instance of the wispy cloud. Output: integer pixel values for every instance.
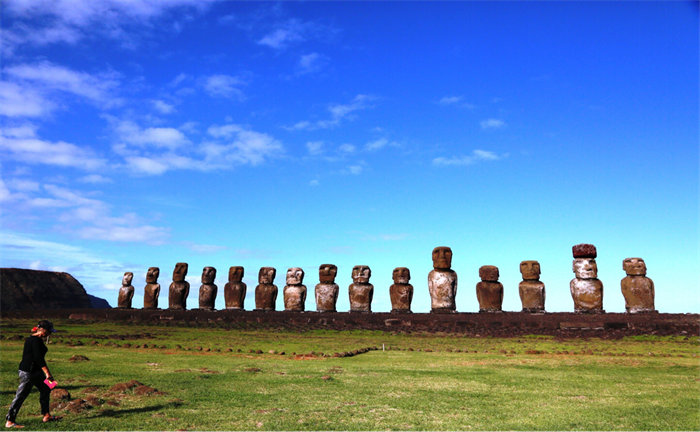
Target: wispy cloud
(95, 179)
(35, 90)
(380, 144)
(225, 86)
(338, 112)
(293, 31)
(346, 148)
(476, 156)
(163, 107)
(310, 63)
(313, 183)
(492, 123)
(69, 21)
(450, 100)
(315, 148)
(242, 146)
(204, 249)
(130, 133)
(24, 145)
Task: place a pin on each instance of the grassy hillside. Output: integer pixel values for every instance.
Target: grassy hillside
(419, 382)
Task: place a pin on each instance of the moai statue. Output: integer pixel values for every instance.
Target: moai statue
(636, 287)
(586, 289)
(401, 292)
(235, 289)
(489, 291)
(360, 290)
(327, 290)
(266, 292)
(531, 289)
(179, 289)
(442, 282)
(207, 292)
(152, 289)
(294, 292)
(126, 292)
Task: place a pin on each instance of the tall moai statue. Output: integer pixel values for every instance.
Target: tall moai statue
(531, 290)
(266, 292)
(360, 290)
(235, 289)
(207, 292)
(586, 289)
(179, 289)
(126, 292)
(637, 289)
(401, 292)
(327, 290)
(442, 282)
(294, 292)
(489, 291)
(151, 291)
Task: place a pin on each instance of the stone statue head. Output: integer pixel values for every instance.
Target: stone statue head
(585, 268)
(530, 270)
(326, 273)
(361, 274)
(634, 267)
(488, 273)
(208, 275)
(235, 274)
(295, 276)
(267, 275)
(401, 275)
(152, 275)
(128, 277)
(442, 257)
(180, 272)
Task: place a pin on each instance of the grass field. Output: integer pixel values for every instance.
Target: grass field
(419, 382)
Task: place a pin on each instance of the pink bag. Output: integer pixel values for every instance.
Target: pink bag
(51, 384)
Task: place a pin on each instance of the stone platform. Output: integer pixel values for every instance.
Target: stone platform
(495, 324)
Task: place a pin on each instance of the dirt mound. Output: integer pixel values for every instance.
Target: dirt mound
(77, 358)
(254, 370)
(91, 390)
(122, 387)
(59, 393)
(144, 390)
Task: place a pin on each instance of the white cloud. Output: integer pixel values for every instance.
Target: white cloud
(180, 79)
(95, 179)
(476, 156)
(23, 185)
(315, 147)
(144, 165)
(22, 101)
(44, 22)
(244, 146)
(380, 144)
(347, 148)
(280, 38)
(163, 107)
(355, 169)
(36, 151)
(130, 133)
(204, 249)
(313, 183)
(310, 63)
(492, 123)
(339, 112)
(449, 100)
(223, 86)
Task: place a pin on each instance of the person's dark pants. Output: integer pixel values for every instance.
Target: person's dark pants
(26, 381)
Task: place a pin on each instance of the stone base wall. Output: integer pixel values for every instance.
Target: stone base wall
(496, 324)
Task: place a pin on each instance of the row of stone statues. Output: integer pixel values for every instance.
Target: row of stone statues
(586, 289)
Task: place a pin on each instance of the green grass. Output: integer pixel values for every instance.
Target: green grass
(655, 385)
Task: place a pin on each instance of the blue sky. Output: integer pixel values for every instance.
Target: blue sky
(144, 133)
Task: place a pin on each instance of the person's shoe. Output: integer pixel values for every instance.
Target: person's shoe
(51, 418)
(13, 425)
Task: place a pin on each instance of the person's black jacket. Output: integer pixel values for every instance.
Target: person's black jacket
(33, 355)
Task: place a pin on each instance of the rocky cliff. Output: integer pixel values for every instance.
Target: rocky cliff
(22, 289)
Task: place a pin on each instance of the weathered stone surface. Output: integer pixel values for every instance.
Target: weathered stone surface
(151, 291)
(637, 289)
(361, 291)
(584, 250)
(266, 292)
(586, 289)
(401, 292)
(531, 290)
(442, 282)
(126, 292)
(294, 292)
(235, 289)
(179, 289)
(23, 289)
(327, 290)
(489, 291)
(208, 290)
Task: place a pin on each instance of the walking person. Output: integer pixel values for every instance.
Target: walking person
(32, 372)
